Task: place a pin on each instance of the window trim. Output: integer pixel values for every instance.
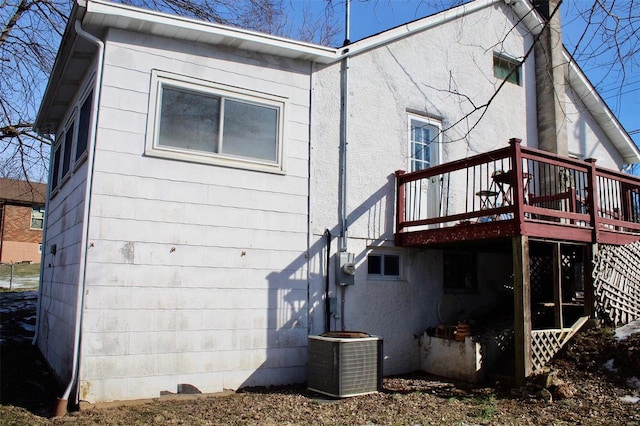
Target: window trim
(501, 57)
(383, 276)
(71, 122)
(159, 79)
(42, 211)
(79, 159)
(436, 152)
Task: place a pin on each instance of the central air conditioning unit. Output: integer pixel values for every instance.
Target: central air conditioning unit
(343, 364)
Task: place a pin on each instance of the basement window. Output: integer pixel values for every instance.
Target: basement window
(210, 123)
(506, 68)
(383, 266)
(460, 272)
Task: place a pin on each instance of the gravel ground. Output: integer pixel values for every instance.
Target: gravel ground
(587, 388)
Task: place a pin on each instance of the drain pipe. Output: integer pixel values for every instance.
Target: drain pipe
(34, 341)
(344, 133)
(61, 407)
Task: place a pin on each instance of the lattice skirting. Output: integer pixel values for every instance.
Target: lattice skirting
(544, 345)
(617, 282)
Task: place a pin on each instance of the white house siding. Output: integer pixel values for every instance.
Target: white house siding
(196, 273)
(417, 74)
(57, 322)
(586, 138)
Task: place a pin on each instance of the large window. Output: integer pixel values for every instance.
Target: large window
(37, 217)
(505, 68)
(214, 124)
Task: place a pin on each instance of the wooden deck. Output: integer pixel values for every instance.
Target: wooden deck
(517, 191)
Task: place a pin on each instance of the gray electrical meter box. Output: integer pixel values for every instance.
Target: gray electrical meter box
(345, 268)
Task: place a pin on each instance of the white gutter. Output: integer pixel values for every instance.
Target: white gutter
(44, 243)
(119, 15)
(62, 401)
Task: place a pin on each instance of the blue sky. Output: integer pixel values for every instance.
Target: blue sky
(369, 17)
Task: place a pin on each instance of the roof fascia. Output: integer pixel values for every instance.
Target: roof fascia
(126, 14)
(600, 111)
(579, 82)
(55, 78)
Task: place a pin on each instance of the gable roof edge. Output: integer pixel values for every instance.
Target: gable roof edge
(600, 111)
(579, 82)
(413, 27)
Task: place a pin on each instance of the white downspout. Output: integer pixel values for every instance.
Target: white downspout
(34, 341)
(61, 407)
(344, 134)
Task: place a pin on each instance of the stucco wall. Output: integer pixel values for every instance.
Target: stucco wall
(428, 74)
(196, 273)
(586, 138)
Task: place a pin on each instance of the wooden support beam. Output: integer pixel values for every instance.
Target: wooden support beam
(522, 308)
(557, 285)
(590, 252)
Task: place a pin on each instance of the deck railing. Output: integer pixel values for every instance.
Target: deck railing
(524, 189)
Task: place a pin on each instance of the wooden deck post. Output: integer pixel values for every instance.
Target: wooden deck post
(590, 252)
(522, 308)
(557, 286)
(400, 205)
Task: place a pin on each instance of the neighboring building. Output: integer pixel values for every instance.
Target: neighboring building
(21, 220)
(201, 188)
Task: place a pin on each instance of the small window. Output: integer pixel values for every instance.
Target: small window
(56, 165)
(37, 217)
(424, 139)
(505, 68)
(383, 265)
(66, 153)
(84, 122)
(206, 122)
(460, 271)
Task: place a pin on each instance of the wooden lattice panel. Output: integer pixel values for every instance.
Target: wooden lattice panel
(544, 345)
(617, 282)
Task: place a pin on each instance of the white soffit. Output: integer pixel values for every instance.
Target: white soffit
(105, 14)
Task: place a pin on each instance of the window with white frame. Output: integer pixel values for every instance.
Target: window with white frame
(210, 123)
(73, 139)
(37, 218)
(84, 124)
(384, 265)
(506, 68)
(423, 142)
(66, 148)
(57, 150)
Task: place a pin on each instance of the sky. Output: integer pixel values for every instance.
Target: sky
(370, 17)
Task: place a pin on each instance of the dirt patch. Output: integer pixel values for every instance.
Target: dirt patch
(589, 389)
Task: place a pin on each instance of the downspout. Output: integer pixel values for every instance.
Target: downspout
(61, 407)
(344, 133)
(44, 243)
